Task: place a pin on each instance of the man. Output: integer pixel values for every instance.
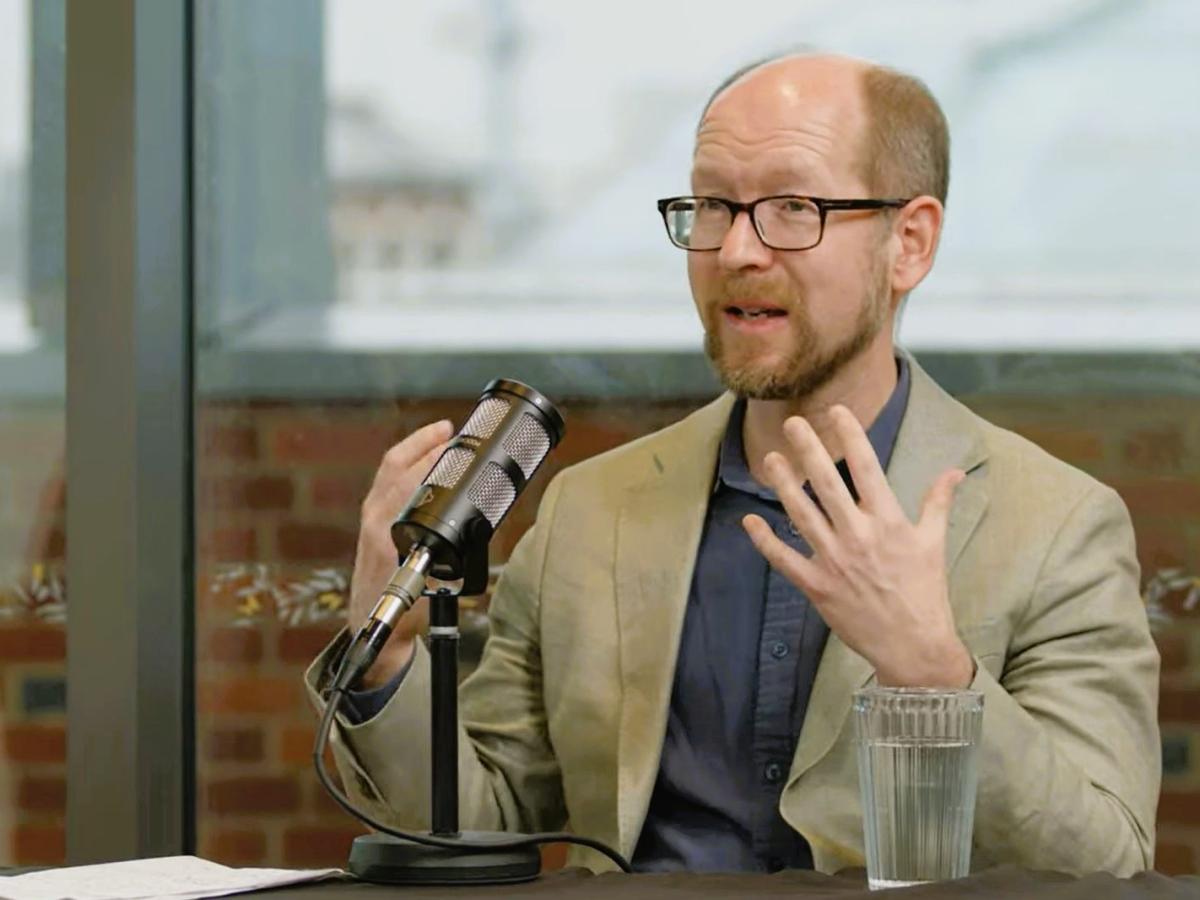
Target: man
(675, 643)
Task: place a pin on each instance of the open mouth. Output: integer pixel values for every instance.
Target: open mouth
(755, 313)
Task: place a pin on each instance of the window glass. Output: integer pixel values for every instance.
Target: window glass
(32, 435)
(396, 203)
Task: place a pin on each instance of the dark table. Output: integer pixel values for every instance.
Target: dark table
(1008, 882)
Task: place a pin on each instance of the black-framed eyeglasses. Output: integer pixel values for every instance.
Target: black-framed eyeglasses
(783, 222)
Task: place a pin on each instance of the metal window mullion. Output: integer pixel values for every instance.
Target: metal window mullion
(129, 778)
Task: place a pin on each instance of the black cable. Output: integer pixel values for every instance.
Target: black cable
(333, 701)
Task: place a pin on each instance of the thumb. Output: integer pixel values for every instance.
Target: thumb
(935, 508)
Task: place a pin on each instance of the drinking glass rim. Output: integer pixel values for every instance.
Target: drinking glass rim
(879, 696)
(880, 692)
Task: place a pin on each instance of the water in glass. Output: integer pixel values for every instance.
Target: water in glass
(917, 777)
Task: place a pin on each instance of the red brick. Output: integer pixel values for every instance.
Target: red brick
(302, 643)
(1173, 648)
(1160, 546)
(301, 542)
(296, 745)
(53, 547)
(235, 745)
(554, 856)
(322, 807)
(42, 795)
(1179, 704)
(1160, 496)
(253, 795)
(1156, 449)
(1073, 445)
(32, 643)
(229, 545)
(35, 743)
(255, 696)
(39, 845)
(1174, 859)
(332, 442)
(296, 749)
(588, 436)
(235, 846)
(258, 492)
(53, 496)
(338, 491)
(234, 645)
(229, 442)
(311, 847)
(1179, 807)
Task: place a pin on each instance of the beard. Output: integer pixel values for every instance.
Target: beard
(808, 366)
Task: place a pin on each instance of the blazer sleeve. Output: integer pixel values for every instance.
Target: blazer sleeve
(509, 778)
(1070, 759)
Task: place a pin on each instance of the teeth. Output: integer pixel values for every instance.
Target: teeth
(754, 313)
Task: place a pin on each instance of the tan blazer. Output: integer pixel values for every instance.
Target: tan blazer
(564, 719)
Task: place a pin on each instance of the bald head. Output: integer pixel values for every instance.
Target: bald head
(898, 132)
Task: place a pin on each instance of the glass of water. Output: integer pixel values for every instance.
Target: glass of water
(917, 777)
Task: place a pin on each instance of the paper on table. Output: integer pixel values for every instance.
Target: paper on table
(176, 877)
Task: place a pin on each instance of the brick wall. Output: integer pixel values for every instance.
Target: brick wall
(33, 744)
(279, 488)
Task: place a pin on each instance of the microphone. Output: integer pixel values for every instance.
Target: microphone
(443, 533)
(444, 530)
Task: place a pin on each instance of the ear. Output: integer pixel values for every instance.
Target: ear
(915, 234)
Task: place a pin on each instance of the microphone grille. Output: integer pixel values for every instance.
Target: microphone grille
(450, 467)
(486, 417)
(527, 444)
(493, 493)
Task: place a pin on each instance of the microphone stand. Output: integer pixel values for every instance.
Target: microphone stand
(444, 533)
(386, 859)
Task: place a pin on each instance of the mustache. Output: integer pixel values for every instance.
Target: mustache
(741, 288)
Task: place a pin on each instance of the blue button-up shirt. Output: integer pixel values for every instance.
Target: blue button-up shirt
(748, 655)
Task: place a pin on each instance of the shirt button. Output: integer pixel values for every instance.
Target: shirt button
(773, 773)
(779, 650)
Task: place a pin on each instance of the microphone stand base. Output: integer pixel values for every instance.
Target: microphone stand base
(383, 859)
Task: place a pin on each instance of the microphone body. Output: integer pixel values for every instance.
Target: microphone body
(444, 530)
(478, 477)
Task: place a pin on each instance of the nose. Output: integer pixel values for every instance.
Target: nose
(742, 247)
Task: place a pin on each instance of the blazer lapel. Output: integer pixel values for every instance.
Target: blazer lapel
(937, 433)
(658, 534)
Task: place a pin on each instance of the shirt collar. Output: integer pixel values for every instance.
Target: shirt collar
(733, 471)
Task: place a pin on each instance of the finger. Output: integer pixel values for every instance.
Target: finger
(395, 483)
(822, 474)
(419, 471)
(427, 462)
(935, 508)
(804, 513)
(874, 492)
(409, 451)
(795, 568)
